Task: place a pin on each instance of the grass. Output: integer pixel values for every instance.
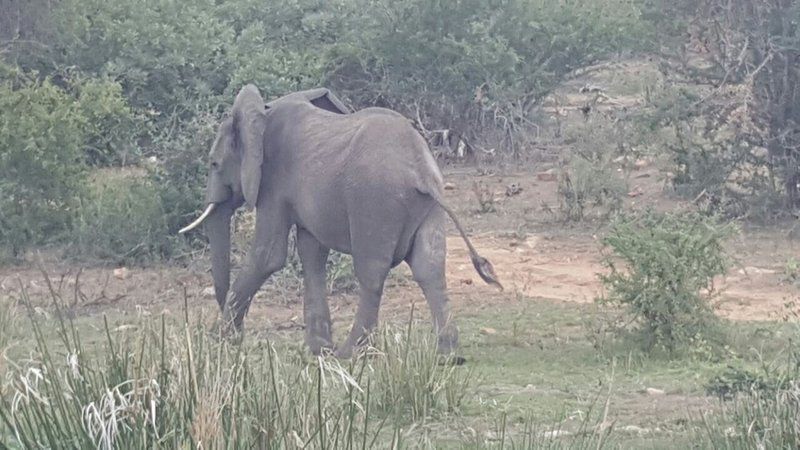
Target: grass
(538, 381)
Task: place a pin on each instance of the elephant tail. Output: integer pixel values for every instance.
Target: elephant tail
(482, 265)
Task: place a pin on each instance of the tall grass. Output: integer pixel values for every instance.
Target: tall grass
(160, 384)
(165, 383)
(758, 420)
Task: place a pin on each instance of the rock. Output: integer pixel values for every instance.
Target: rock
(449, 187)
(488, 331)
(208, 292)
(635, 429)
(640, 164)
(756, 271)
(654, 391)
(466, 281)
(548, 175)
(121, 273)
(513, 189)
(554, 434)
(636, 192)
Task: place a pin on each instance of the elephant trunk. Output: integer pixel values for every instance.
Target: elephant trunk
(218, 228)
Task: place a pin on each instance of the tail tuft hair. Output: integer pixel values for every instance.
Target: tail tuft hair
(486, 271)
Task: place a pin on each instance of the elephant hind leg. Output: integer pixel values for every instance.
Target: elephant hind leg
(427, 262)
(316, 313)
(371, 272)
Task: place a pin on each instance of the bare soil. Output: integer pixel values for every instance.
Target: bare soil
(534, 253)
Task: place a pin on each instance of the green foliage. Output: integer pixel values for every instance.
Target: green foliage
(167, 55)
(178, 167)
(761, 420)
(474, 66)
(111, 126)
(734, 381)
(421, 384)
(49, 134)
(584, 184)
(765, 404)
(791, 270)
(41, 162)
(661, 269)
(122, 220)
(738, 140)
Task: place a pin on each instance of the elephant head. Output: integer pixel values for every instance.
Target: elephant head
(235, 171)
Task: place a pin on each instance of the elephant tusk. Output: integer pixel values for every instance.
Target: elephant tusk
(199, 220)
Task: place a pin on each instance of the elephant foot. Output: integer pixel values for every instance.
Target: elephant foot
(446, 346)
(226, 331)
(451, 360)
(320, 345)
(344, 352)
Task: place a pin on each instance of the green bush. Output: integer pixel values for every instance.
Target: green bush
(179, 167)
(122, 220)
(587, 184)
(41, 162)
(761, 407)
(661, 269)
(474, 66)
(111, 125)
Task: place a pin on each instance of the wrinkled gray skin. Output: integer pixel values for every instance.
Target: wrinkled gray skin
(363, 183)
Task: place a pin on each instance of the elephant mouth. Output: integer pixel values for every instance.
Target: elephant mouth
(207, 212)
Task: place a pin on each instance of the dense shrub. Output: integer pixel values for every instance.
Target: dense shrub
(178, 167)
(661, 270)
(586, 184)
(473, 66)
(122, 219)
(49, 134)
(112, 127)
(41, 162)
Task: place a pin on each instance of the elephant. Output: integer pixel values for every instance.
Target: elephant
(363, 183)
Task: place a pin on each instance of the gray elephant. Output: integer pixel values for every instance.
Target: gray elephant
(360, 183)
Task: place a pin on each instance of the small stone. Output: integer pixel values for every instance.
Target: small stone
(449, 187)
(640, 164)
(467, 281)
(636, 192)
(756, 271)
(513, 189)
(488, 331)
(635, 429)
(549, 175)
(654, 391)
(121, 273)
(554, 434)
(208, 292)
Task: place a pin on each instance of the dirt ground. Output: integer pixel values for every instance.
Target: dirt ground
(535, 254)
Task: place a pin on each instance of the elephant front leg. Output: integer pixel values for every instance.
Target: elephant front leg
(316, 313)
(267, 256)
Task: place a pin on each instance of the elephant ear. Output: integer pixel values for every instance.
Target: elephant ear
(249, 119)
(323, 98)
